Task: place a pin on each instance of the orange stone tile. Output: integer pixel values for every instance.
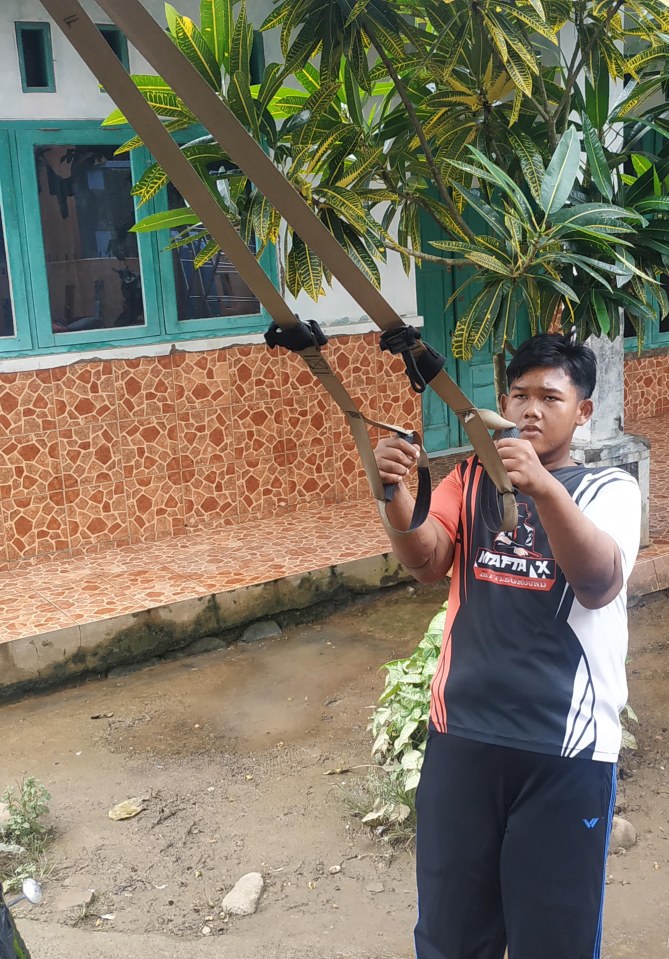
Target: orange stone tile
(97, 514)
(255, 375)
(350, 478)
(201, 380)
(31, 615)
(257, 431)
(314, 471)
(297, 377)
(307, 420)
(149, 445)
(3, 545)
(210, 495)
(35, 525)
(356, 362)
(144, 387)
(84, 393)
(155, 507)
(27, 403)
(205, 437)
(163, 586)
(30, 465)
(91, 454)
(265, 486)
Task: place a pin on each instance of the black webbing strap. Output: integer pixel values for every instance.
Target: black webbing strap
(306, 339)
(420, 367)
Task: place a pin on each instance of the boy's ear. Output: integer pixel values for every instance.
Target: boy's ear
(585, 409)
(503, 399)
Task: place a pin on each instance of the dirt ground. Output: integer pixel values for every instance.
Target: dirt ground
(230, 751)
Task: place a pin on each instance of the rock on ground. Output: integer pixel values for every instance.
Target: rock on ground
(242, 900)
(623, 834)
(262, 630)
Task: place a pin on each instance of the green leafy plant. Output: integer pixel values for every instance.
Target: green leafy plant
(385, 800)
(626, 717)
(27, 806)
(547, 120)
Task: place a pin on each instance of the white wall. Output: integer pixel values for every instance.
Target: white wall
(77, 97)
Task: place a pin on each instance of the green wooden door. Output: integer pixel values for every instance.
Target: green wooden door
(435, 284)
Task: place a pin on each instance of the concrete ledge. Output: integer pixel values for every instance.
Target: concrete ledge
(190, 625)
(213, 621)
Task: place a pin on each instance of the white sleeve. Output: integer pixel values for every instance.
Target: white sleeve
(612, 501)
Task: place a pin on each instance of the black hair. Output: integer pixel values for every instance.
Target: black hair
(557, 351)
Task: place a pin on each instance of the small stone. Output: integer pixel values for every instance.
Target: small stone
(623, 835)
(127, 809)
(75, 898)
(243, 898)
(206, 930)
(374, 887)
(334, 870)
(263, 630)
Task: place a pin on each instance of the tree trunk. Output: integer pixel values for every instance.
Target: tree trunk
(499, 371)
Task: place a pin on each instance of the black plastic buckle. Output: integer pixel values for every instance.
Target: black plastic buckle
(421, 369)
(296, 338)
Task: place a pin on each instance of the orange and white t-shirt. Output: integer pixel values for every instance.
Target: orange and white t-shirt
(523, 663)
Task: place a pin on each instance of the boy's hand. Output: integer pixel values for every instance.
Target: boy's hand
(394, 458)
(523, 466)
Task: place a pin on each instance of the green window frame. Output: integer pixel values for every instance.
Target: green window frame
(84, 134)
(43, 30)
(117, 41)
(22, 340)
(26, 253)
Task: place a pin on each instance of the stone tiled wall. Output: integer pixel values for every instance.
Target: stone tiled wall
(646, 386)
(129, 451)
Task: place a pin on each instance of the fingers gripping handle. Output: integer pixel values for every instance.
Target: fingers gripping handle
(424, 492)
(390, 488)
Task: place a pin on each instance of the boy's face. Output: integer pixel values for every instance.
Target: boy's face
(546, 407)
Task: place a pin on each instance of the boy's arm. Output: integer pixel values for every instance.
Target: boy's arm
(589, 557)
(427, 552)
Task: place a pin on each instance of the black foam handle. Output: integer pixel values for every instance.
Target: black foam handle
(512, 433)
(390, 488)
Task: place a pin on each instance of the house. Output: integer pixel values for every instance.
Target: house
(138, 400)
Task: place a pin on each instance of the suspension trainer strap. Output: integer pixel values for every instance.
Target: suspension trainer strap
(286, 330)
(156, 46)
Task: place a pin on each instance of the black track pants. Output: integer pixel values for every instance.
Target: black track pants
(511, 849)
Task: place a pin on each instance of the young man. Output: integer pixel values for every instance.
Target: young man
(518, 784)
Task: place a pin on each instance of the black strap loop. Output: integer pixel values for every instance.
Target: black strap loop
(421, 369)
(296, 338)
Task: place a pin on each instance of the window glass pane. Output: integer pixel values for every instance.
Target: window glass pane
(34, 58)
(213, 290)
(6, 311)
(664, 324)
(92, 259)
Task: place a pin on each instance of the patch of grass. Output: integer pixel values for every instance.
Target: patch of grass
(380, 800)
(27, 804)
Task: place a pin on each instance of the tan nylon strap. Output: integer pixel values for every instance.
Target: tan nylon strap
(147, 36)
(99, 57)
